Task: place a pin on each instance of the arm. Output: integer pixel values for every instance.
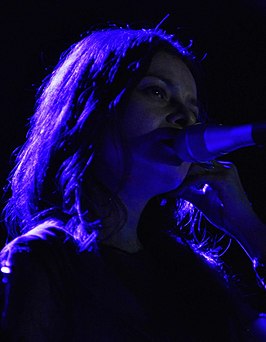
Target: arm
(225, 204)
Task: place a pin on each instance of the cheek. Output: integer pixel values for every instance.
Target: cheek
(109, 156)
(184, 168)
(139, 121)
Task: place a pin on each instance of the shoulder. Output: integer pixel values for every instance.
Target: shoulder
(39, 246)
(33, 295)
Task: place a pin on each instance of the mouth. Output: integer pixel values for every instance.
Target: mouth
(157, 148)
(168, 146)
(168, 142)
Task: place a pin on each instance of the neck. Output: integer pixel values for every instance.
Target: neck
(126, 238)
(135, 193)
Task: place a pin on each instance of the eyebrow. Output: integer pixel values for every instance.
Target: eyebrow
(166, 80)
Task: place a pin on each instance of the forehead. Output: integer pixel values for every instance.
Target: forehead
(172, 69)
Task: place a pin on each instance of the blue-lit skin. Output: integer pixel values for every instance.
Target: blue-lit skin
(225, 204)
(163, 101)
(154, 112)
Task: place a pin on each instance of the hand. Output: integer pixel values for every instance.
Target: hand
(217, 192)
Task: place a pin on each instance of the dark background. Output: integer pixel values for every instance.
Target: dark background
(232, 33)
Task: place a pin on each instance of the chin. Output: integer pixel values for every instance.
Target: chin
(171, 176)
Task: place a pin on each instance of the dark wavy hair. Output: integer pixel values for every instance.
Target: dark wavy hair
(75, 105)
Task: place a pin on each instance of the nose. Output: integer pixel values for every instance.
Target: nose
(181, 118)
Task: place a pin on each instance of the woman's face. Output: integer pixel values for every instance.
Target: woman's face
(165, 97)
(164, 101)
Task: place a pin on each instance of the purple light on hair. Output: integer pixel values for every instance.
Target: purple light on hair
(5, 269)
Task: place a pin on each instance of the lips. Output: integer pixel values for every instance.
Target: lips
(157, 146)
(168, 142)
(165, 153)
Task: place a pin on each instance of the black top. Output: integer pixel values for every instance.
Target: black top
(162, 293)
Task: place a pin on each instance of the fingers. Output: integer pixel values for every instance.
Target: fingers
(209, 168)
(216, 174)
(222, 178)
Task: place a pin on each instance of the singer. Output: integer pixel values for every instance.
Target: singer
(112, 236)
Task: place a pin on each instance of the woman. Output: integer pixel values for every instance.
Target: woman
(112, 244)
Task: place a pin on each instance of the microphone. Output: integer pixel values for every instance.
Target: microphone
(205, 142)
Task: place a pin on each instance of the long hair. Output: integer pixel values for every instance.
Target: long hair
(75, 104)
